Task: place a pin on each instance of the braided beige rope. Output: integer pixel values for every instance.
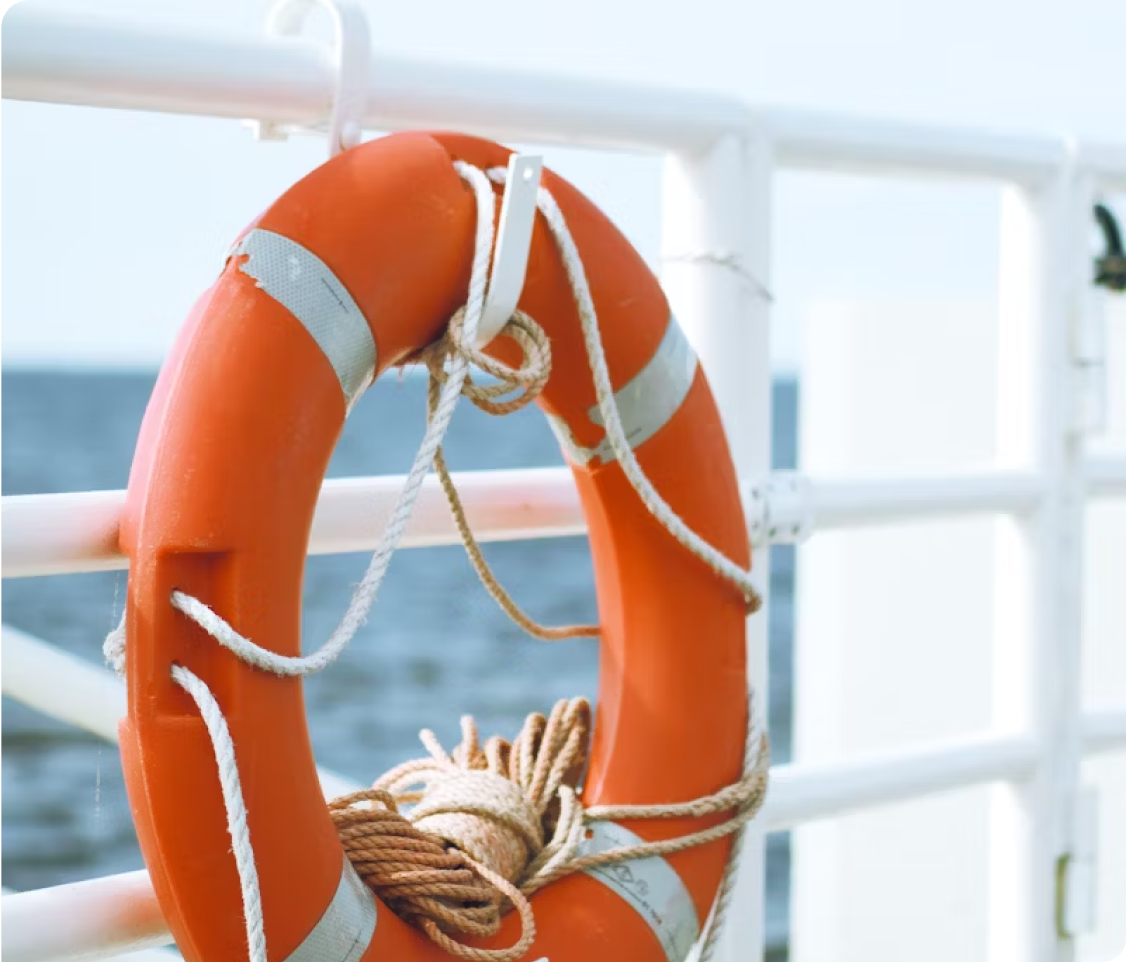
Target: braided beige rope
(490, 825)
(529, 378)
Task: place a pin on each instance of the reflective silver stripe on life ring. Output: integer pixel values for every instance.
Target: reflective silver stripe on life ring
(651, 886)
(345, 930)
(302, 283)
(646, 404)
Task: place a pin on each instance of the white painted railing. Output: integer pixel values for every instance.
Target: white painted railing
(721, 161)
(61, 685)
(47, 534)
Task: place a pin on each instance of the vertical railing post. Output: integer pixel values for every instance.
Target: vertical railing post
(716, 247)
(1038, 561)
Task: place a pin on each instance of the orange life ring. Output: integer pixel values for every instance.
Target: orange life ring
(229, 464)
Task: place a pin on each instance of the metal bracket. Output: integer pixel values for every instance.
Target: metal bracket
(1110, 268)
(352, 55)
(1077, 872)
(780, 508)
(514, 241)
(1090, 339)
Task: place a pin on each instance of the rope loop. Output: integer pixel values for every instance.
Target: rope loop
(529, 377)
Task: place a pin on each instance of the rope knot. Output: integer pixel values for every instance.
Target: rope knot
(528, 377)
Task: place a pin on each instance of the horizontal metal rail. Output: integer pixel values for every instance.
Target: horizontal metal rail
(817, 141)
(60, 56)
(55, 682)
(72, 533)
(90, 920)
(805, 793)
(847, 503)
(1104, 730)
(141, 955)
(71, 689)
(1106, 476)
(58, 684)
(114, 910)
(120, 913)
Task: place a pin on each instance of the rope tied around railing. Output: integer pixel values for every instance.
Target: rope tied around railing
(492, 824)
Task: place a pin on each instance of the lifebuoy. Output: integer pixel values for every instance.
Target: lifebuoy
(355, 268)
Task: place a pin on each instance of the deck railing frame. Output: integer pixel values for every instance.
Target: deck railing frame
(721, 160)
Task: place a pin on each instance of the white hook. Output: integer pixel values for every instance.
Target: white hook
(514, 241)
(352, 53)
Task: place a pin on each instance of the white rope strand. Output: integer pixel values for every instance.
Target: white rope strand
(362, 599)
(604, 390)
(364, 596)
(657, 505)
(235, 804)
(713, 925)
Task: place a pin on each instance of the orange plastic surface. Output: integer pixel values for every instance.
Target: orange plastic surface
(228, 467)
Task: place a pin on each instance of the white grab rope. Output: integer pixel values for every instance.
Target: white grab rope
(362, 599)
(224, 748)
(364, 596)
(596, 356)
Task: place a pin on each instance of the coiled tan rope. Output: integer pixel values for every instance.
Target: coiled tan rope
(492, 824)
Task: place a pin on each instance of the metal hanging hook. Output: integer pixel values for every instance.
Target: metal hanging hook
(514, 241)
(1110, 268)
(352, 54)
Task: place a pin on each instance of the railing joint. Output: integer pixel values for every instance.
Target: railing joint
(780, 508)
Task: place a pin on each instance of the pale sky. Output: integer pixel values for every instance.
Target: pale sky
(113, 222)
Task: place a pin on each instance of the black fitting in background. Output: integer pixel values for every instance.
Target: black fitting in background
(1110, 269)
